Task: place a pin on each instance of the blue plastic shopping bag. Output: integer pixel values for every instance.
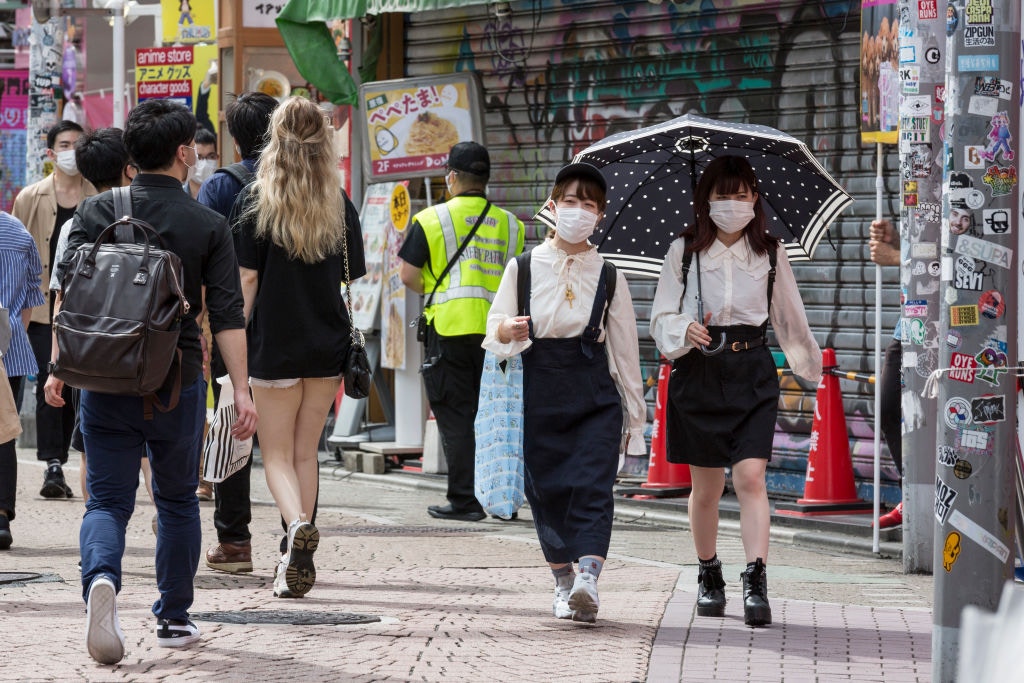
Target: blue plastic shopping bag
(499, 437)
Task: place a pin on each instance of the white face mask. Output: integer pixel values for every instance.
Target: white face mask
(448, 183)
(203, 169)
(731, 215)
(66, 162)
(575, 225)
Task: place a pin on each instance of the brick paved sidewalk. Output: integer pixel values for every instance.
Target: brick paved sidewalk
(459, 602)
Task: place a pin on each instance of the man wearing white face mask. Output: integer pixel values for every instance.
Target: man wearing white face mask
(456, 252)
(44, 207)
(208, 160)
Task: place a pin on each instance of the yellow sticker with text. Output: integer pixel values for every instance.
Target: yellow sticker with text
(400, 207)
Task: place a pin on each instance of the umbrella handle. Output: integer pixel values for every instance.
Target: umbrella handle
(718, 349)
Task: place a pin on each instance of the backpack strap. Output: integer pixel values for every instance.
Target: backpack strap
(773, 258)
(123, 209)
(239, 172)
(687, 259)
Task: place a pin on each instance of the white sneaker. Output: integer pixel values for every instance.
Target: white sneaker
(173, 634)
(281, 589)
(583, 600)
(103, 634)
(560, 606)
(303, 540)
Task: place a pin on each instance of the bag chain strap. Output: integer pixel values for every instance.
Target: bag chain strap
(357, 335)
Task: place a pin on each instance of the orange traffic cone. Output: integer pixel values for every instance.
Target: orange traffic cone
(829, 488)
(664, 479)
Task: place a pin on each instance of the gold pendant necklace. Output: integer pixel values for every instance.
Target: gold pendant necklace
(569, 296)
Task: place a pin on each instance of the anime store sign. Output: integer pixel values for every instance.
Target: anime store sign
(164, 72)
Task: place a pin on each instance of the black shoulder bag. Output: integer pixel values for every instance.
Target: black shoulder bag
(356, 366)
(422, 333)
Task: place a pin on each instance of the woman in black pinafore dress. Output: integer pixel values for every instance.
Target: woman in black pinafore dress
(581, 368)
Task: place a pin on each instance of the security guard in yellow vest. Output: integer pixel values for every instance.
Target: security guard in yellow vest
(458, 311)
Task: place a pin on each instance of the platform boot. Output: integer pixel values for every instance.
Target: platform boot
(710, 590)
(756, 610)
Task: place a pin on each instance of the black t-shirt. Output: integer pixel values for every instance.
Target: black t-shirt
(64, 214)
(299, 325)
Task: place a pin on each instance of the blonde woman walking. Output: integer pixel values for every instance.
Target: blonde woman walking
(295, 229)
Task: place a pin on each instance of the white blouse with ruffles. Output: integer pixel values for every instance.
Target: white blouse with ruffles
(552, 271)
(734, 281)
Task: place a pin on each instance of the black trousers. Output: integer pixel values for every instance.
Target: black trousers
(233, 508)
(891, 386)
(453, 389)
(9, 459)
(54, 426)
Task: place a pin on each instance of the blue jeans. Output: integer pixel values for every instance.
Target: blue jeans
(117, 437)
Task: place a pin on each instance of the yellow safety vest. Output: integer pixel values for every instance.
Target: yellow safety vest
(464, 297)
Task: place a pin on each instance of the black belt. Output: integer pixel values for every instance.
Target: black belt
(745, 344)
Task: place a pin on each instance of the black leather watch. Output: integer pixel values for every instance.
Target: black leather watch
(50, 367)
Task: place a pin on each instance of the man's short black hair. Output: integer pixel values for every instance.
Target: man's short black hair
(205, 136)
(155, 130)
(62, 126)
(101, 157)
(248, 117)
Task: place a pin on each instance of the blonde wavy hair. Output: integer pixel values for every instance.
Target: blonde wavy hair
(297, 196)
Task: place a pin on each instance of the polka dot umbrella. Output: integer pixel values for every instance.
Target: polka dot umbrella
(652, 174)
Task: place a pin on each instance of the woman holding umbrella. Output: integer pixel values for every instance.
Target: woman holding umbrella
(571, 316)
(723, 400)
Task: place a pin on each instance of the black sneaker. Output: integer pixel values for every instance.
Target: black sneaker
(5, 533)
(175, 633)
(54, 485)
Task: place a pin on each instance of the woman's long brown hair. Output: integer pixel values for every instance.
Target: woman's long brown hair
(727, 174)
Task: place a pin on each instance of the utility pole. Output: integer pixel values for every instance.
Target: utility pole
(975, 428)
(922, 79)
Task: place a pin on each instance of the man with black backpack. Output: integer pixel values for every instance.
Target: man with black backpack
(160, 136)
(248, 119)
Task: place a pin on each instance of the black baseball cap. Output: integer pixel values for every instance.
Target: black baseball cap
(470, 157)
(582, 170)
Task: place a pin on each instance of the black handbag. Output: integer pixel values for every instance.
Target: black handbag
(356, 367)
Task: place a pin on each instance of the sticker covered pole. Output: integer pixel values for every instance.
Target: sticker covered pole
(974, 479)
(922, 29)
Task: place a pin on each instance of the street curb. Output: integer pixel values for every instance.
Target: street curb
(728, 523)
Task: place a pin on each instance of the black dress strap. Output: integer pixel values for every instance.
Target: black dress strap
(524, 284)
(592, 332)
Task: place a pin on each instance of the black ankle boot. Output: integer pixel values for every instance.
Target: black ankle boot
(756, 610)
(710, 591)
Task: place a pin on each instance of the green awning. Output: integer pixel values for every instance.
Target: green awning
(303, 28)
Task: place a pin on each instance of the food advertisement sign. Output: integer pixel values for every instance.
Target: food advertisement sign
(410, 124)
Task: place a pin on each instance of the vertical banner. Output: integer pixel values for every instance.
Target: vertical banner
(179, 73)
(922, 35)
(393, 318)
(14, 90)
(376, 221)
(975, 477)
(879, 72)
(46, 58)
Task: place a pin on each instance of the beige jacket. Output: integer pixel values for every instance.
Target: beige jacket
(10, 423)
(36, 207)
